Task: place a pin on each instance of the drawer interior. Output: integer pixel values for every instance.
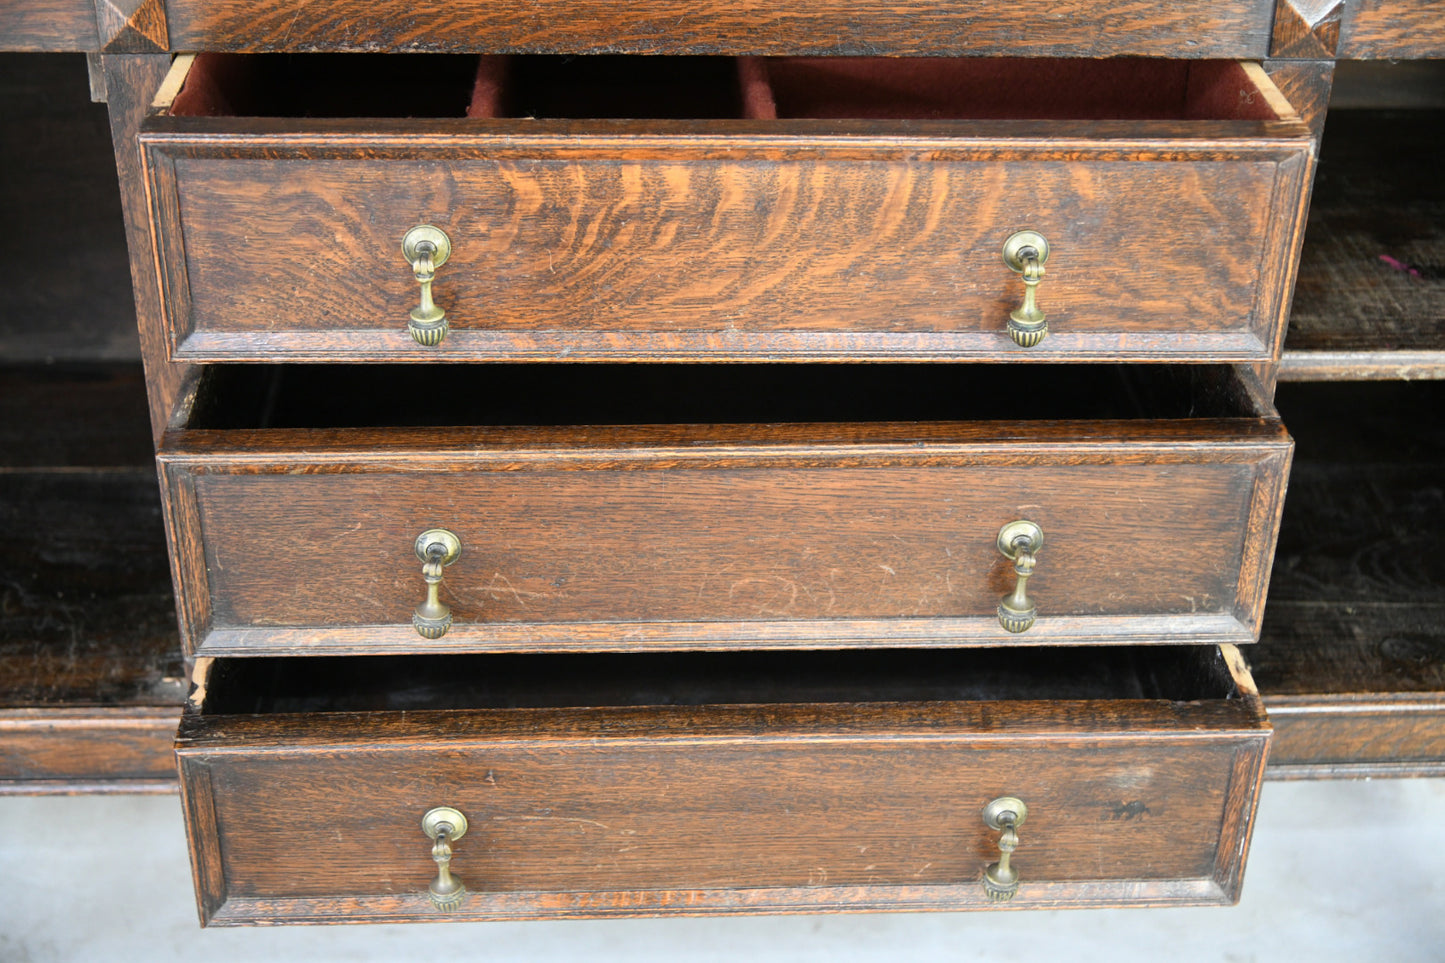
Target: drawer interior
(259, 686)
(758, 88)
(425, 396)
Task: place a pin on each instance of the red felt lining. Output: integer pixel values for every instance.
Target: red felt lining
(765, 88)
(989, 88)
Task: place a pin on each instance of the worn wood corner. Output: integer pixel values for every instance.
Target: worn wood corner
(1306, 29)
(132, 26)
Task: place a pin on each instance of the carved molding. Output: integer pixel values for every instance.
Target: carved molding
(132, 26)
(1306, 29)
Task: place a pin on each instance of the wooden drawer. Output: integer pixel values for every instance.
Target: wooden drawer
(718, 783)
(1080, 28)
(759, 209)
(769, 506)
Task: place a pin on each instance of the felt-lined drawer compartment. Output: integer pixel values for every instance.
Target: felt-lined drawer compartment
(724, 209)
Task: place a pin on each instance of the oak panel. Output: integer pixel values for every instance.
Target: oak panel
(48, 25)
(714, 536)
(1229, 28)
(1393, 29)
(719, 808)
(1351, 658)
(804, 246)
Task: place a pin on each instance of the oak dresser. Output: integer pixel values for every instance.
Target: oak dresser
(716, 458)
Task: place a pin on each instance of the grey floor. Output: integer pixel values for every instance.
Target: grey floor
(1339, 871)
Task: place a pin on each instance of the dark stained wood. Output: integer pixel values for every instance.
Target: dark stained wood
(1351, 660)
(697, 535)
(73, 300)
(1088, 28)
(105, 749)
(1395, 29)
(727, 239)
(47, 25)
(66, 417)
(88, 613)
(1371, 286)
(1307, 84)
(722, 807)
(131, 26)
(1306, 29)
(91, 678)
(131, 82)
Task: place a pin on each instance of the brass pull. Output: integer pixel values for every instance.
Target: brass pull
(426, 248)
(443, 825)
(1026, 253)
(1019, 541)
(1005, 814)
(437, 548)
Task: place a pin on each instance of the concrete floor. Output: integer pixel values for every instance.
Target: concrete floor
(1339, 871)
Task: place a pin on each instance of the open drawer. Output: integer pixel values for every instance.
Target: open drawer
(622, 507)
(723, 209)
(718, 783)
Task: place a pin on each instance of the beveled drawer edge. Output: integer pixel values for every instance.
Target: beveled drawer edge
(1247, 770)
(482, 906)
(1260, 539)
(604, 636)
(464, 345)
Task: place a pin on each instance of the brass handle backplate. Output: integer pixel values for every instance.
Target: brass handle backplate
(1005, 814)
(444, 825)
(1019, 541)
(426, 248)
(1026, 252)
(437, 548)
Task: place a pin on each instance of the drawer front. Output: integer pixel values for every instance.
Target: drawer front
(705, 541)
(1225, 28)
(604, 247)
(719, 809)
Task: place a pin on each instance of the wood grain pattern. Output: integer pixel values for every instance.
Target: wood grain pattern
(1306, 29)
(1393, 29)
(131, 26)
(131, 81)
(1372, 272)
(1308, 85)
(1224, 28)
(771, 807)
(100, 749)
(47, 25)
(720, 240)
(1351, 659)
(704, 536)
(90, 665)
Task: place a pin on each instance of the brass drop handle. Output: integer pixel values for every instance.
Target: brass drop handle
(426, 248)
(1005, 814)
(1019, 541)
(444, 825)
(1026, 252)
(437, 548)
